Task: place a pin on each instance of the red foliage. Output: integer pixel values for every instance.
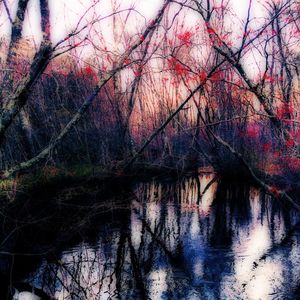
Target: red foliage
(225, 39)
(284, 111)
(274, 190)
(294, 163)
(210, 30)
(127, 61)
(274, 32)
(247, 33)
(276, 154)
(289, 109)
(185, 37)
(297, 32)
(289, 19)
(289, 122)
(266, 147)
(275, 169)
(175, 83)
(88, 70)
(202, 75)
(104, 67)
(253, 131)
(280, 112)
(177, 67)
(290, 143)
(216, 76)
(137, 73)
(268, 78)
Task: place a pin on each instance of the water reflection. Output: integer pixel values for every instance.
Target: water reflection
(200, 238)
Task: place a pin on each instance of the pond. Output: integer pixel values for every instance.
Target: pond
(193, 238)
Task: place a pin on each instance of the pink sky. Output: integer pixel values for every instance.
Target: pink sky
(65, 13)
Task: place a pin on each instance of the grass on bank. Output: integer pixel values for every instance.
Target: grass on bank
(47, 175)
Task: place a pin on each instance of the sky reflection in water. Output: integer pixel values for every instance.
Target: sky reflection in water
(175, 243)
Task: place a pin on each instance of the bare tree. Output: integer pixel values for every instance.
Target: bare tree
(13, 103)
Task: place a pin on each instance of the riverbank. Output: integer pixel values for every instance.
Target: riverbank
(89, 177)
(53, 178)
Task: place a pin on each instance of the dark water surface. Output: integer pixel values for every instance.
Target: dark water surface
(168, 240)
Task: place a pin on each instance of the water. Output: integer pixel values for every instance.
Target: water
(168, 240)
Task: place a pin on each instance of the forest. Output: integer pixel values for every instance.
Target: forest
(111, 93)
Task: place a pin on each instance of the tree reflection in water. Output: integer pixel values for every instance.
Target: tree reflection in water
(184, 241)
